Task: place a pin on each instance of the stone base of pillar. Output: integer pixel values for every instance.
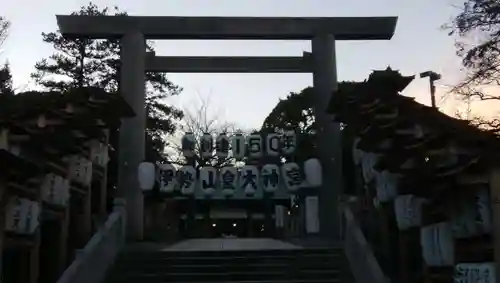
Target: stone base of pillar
(135, 217)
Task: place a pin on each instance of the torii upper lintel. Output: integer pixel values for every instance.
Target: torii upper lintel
(342, 28)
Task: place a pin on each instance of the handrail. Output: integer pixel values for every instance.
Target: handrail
(362, 261)
(92, 262)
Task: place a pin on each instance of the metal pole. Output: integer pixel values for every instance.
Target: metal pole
(132, 140)
(433, 92)
(329, 149)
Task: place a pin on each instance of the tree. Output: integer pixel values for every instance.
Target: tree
(6, 86)
(4, 30)
(477, 27)
(95, 63)
(198, 120)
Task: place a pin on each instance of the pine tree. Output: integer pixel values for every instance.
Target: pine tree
(6, 87)
(95, 63)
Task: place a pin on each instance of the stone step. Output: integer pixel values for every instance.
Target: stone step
(230, 266)
(233, 253)
(227, 276)
(160, 280)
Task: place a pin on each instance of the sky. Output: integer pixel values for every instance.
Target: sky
(418, 45)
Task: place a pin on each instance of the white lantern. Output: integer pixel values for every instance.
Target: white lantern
(87, 168)
(13, 211)
(484, 208)
(167, 177)
(463, 221)
(254, 142)
(408, 211)
(47, 188)
(188, 142)
(292, 176)
(33, 219)
(288, 142)
(228, 180)
(313, 172)
(238, 146)
(206, 145)
(25, 214)
(63, 198)
(273, 142)
(187, 180)
(270, 177)
(146, 175)
(222, 146)
(249, 179)
(208, 176)
(484, 272)
(437, 244)
(386, 184)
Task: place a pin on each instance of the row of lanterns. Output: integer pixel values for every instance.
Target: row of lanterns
(22, 215)
(437, 240)
(229, 179)
(80, 169)
(253, 145)
(55, 190)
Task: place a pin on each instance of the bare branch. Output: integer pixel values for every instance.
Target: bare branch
(199, 119)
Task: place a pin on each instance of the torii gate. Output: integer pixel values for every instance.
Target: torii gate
(134, 30)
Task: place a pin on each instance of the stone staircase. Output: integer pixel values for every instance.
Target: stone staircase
(309, 265)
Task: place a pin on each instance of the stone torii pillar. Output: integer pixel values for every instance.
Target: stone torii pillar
(132, 130)
(133, 30)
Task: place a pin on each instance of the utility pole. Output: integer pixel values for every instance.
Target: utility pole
(433, 76)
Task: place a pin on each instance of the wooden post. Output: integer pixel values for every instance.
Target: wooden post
(104, 183)
(63, 240)
(3, 204)
(495, 207)
(34, 257)
(87, 216)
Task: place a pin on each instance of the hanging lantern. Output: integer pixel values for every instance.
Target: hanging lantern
(386, 184)
(292, 176)
(63, 197)
(408, 211)
(146, 175)
(87, 169)
(207, 180)
(475, 272)
(206, 145)
(254, 142)
(33, 217)
(48, 188)
(228, 180)
(25, 214)
(249, 179)
(273, 141)
(187, 144)
(437, 244)
(313, 172)
(483, 202)
(222, 146)
(187, 180)
(13, 211)
(270, 177)
(167, 177)
(288, 142)
(238, 146)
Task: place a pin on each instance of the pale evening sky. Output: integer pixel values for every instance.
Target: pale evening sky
(418, 45)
